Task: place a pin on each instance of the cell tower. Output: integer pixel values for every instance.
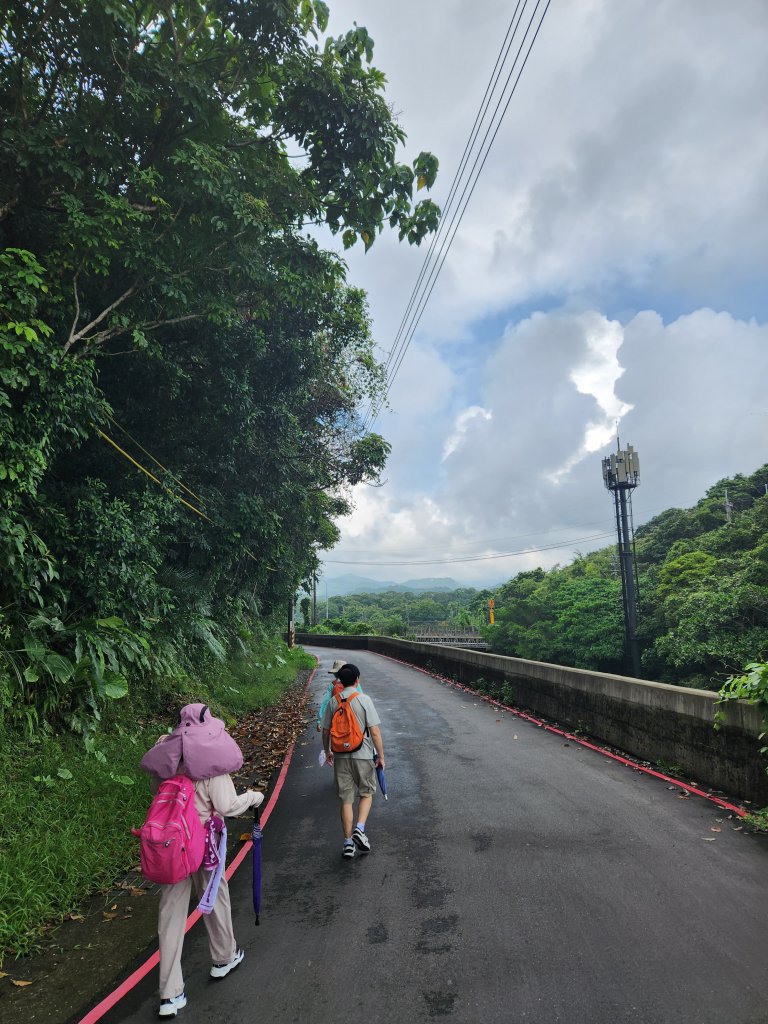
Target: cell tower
(621, 474)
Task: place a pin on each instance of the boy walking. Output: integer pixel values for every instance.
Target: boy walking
(354, 770)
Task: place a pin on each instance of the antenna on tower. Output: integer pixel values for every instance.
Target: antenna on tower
(621, 475)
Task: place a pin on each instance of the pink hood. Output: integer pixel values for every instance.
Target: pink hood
(198, 747)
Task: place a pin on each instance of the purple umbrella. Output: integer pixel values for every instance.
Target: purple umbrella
(381, 776)
(256, 840)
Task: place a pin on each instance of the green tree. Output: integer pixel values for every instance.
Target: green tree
(160, 166)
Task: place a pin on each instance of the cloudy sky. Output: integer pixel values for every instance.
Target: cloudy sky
(611, 265)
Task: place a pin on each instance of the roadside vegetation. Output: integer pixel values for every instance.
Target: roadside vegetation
(182, 370)
(66, 833)
(181, 364)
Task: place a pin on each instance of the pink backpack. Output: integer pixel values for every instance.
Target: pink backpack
(172, 836)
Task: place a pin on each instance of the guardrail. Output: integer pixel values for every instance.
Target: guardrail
(656, 722)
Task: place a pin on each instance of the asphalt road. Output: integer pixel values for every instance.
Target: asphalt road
(514, 878)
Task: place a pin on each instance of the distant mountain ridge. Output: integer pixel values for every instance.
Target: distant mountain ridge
(340, 586)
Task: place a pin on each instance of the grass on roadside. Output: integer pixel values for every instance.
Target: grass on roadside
(65, 829)
(758, 820)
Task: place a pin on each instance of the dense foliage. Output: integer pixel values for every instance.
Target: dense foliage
(163, 302)
(703, 586)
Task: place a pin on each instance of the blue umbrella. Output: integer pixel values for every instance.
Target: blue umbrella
(381, 776)
(256, 840)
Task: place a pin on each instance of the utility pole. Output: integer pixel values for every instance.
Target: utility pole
(621, 474)
(314, 600)
(292, 622)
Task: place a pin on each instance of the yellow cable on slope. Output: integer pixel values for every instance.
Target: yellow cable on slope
(151, 476)
(156, 461)
(159, 483)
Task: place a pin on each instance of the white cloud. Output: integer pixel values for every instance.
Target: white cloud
(694, 391)
(631, 173)
(461, 427)
(631, 155)
(597, 377)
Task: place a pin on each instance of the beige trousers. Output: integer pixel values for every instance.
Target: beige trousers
(174, 908)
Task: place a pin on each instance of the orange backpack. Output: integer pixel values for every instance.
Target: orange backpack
(346, 734)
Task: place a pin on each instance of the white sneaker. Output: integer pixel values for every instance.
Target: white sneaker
(361, 841)
(222, 970)
(170, 1007)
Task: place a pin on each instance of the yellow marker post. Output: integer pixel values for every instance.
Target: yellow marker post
(491, 606)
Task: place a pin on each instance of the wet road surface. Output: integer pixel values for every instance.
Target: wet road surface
(514, 878)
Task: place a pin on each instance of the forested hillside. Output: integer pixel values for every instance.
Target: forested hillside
(392, 612)
(181, 363)
(703, 585)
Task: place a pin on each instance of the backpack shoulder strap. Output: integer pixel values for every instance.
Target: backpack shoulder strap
(350, 698)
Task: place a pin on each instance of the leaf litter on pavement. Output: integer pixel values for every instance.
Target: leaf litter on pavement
(265, 735)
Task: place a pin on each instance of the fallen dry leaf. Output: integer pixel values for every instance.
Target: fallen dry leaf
(21, 984)
(107, 916)
(709, 839)
(736, 828)
(136, 892)
(3, 974)
(265, 735)
(715, 829)
(74, 917)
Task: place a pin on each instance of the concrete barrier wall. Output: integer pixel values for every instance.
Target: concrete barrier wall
(656, 722)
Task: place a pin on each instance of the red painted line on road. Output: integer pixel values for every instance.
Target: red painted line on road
(141, 972)
(740, 811)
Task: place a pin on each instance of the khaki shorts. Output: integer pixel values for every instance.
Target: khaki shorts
(355, 776)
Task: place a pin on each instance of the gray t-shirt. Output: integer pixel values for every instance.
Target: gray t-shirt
(366, 715)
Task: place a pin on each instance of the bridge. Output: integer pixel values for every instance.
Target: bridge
(445, 633)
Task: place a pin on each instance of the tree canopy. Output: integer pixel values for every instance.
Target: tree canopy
(181, 362)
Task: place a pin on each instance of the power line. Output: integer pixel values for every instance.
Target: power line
(537, 533)
(477, 558)
(479, 116)
(464, 199)
(417, 305)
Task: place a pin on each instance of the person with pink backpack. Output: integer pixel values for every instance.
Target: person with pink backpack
(190, 769)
